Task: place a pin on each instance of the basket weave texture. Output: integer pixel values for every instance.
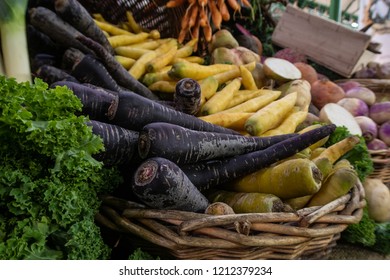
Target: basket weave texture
(150, 14)
(381, 160)
(309, 233)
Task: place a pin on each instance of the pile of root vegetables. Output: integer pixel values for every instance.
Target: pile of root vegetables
(237, 130)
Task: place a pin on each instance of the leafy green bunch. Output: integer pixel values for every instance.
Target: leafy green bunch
(49, 180)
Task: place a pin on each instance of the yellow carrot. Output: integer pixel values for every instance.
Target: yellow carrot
(162, 60)
(235, 121)
(289, 124)
(208, 87)
(256, 103)
(135, 27)
(125, 39)
(130, 51)
(139, 67)
(271, 115)
(248, 81)
(150, 78)
(155, 34)
(148, 44)
(221, 99)
(196, 71)
(233, 73)
(166, 46)
(163, 86)
(111, 28)
(243, 95)
(126, 62)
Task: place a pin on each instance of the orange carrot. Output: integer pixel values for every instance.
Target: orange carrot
(223, 9)
(246, 3)
(234, 5)
(202, 3)
(174, 3)
(207, 32)
(195, 29)
(203, 17)
(216, 16)
(193, 16)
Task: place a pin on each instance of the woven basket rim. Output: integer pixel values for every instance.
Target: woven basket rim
(381, 161)
(309, 230)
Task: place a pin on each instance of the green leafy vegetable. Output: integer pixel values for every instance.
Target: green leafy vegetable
(369, 234)
(362, 233)
(382, 234)
(49, 180)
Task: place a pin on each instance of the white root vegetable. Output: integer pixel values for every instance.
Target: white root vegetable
(378, 199)
(363, 93)
(355, 106)
(336, 114)
(281, 70)
(368, 126)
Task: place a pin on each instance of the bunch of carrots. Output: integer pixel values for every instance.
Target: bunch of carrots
(203, 15)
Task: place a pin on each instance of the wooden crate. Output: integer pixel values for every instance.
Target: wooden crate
(326, 42)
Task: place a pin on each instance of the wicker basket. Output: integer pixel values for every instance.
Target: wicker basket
(149, 14)
(381, 160)
(309, 233)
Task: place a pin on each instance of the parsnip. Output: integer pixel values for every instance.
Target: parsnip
(287, 179)
(338, 183)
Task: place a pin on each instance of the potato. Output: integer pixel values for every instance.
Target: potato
(378, 199)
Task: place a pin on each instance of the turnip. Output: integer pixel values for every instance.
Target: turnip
(355, 106)
(383, 71)
(324, 91)
(280, 70)
(336, 114)
(376, 144)
(346, 86)
(384, 132)
(363, 93)
(309, 73)
(378, 199)
(368, 126)
(380, 112)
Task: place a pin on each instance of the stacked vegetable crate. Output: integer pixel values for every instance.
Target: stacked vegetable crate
(309, 233)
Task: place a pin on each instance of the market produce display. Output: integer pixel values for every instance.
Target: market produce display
(114, 109)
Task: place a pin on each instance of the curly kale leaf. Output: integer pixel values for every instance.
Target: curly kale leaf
(49, 179)
(382, 234)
